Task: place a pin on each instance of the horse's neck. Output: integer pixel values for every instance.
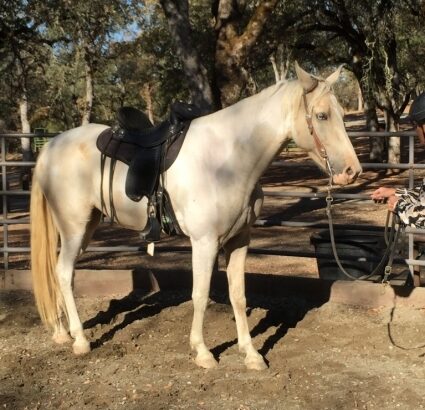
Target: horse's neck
(260, 129)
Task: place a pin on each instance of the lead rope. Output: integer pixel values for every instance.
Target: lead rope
(392, 240)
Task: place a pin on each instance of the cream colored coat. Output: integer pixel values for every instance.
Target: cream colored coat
(213, 186)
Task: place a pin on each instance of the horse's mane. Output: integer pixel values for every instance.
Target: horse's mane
(291, 92)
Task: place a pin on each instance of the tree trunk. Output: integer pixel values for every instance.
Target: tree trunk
(377, 152)
(88, 104)
(275, 69)
(387, 89)
(360, 105)
(147, 96)
(177, 13)
(280, 67)
(233, 49)
(393, 142)
(27, 154)
(377, 145)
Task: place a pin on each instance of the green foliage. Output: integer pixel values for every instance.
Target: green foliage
(45, 46)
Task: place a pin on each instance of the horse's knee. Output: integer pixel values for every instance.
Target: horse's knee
(238, 302)
(199, 299)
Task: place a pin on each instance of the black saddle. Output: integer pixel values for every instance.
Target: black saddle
(148, 150)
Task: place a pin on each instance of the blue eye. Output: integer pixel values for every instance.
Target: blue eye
(322, 116)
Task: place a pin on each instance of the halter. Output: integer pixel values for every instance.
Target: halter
(319, 145)
(392, 240)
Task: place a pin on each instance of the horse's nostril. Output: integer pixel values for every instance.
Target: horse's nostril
(349, 171)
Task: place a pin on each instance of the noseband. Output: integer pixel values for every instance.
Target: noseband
(320, 147)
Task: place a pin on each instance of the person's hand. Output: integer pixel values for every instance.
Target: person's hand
(382, 194)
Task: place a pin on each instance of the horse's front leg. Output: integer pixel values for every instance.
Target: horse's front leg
(236, 250)
(204, 253)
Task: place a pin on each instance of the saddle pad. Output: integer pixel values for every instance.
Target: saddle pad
(114, 147)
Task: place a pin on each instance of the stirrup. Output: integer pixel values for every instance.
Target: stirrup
(152, 231)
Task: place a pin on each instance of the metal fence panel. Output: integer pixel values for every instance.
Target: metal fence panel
(40, 138)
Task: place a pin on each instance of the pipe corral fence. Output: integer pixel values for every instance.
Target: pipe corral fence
(38, 139)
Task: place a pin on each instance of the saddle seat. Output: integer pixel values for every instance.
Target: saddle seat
(138, 129)
(132, 119)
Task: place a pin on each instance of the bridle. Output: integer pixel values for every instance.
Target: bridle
(319, 145)
(391, 239)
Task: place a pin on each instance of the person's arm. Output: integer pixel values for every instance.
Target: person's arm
(410, 196)
(410, 207)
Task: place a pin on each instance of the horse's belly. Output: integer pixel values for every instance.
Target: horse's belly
(220, 213)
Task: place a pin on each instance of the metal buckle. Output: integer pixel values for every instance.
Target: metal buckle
(387, 273)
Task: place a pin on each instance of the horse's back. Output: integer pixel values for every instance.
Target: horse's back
(84, 136)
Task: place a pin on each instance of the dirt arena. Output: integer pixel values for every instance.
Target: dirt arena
(321, 355)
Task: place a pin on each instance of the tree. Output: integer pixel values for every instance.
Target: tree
(22, 47)
(177, 14)
(89, 27)
(237, 33)
(371, 38)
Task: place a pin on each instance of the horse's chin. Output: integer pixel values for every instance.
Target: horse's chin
(342, 179)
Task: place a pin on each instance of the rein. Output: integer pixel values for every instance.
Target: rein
(393, 238)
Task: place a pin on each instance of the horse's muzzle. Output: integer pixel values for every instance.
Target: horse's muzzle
(347, 176)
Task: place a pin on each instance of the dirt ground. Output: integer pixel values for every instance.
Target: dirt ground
(321, 355)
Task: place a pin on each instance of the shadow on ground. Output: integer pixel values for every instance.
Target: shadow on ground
(285, 299)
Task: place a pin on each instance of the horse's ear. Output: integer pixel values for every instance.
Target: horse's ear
(307, 81)
(333, 78)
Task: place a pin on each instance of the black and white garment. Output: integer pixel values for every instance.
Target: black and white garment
(410, 206)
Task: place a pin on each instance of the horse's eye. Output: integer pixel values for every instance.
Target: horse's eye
(322, 116)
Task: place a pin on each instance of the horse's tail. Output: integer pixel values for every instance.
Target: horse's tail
(44, 243)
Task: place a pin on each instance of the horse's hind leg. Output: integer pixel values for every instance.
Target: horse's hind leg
(70, 248)
(65, 261)
(236, 250)
(72, 234)
(204, 253)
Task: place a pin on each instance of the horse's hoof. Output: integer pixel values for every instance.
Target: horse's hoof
(206, 361)
(61, 338)
(81, 348)
(255, 363)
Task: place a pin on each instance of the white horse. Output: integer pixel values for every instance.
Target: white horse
(213, 186)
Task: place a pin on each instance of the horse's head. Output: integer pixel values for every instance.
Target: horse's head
(320, 128)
